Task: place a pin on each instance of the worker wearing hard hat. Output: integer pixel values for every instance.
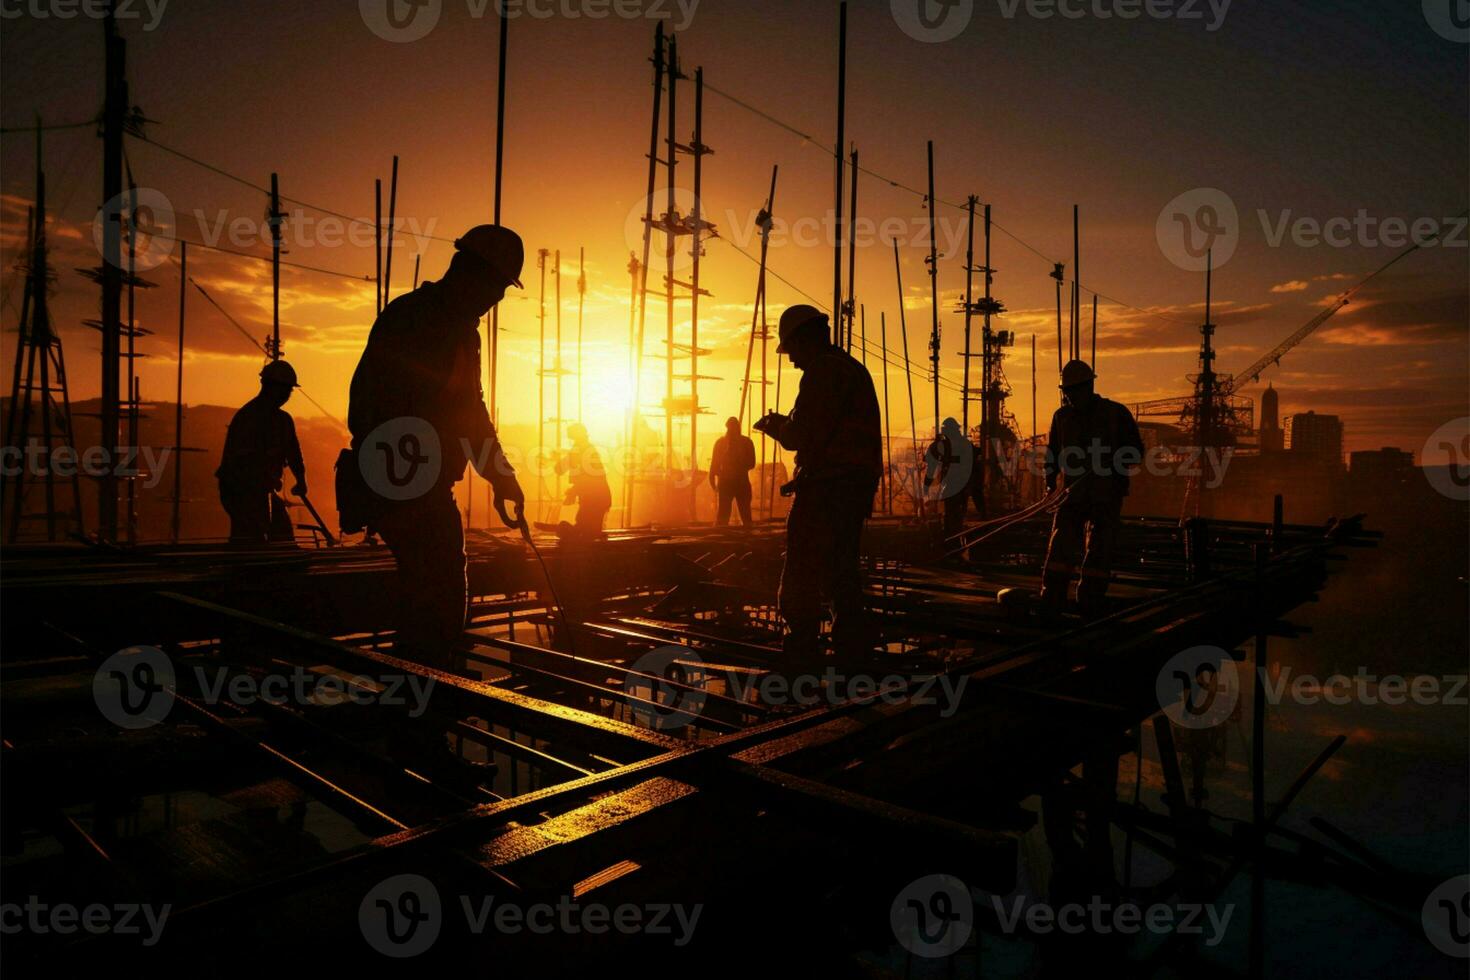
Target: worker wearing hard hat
(950, 474)
(729, 473)
(835, 429)
(1093, 448)
(417, 416)
(587, 485)
(260, 444)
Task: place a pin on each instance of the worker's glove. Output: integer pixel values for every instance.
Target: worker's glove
(771, 424)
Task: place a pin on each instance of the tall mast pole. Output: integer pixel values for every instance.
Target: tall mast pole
(557, 371)
(388, 245)
(887, 419)
(581, 304)
(933, 288)
(697, 150)
(275, 223)
(670, 247)
(838, 153)
(851, 309)
(179, 398)
(908, 375)
(969, 311)
(113, 120)
(635, 465)
(378, 240)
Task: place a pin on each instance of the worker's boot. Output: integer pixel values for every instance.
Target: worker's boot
(1053, 600)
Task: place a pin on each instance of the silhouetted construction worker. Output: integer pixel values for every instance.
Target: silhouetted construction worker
(1094, 443)
(835, 429)
(588, 484)
(729, 472)
(260, 444)
(417, 415)
(951, 473)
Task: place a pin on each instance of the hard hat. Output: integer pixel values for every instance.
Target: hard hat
(499, 247)
(795, 319)
(950, 423)
(280, 373)
(1076, 373)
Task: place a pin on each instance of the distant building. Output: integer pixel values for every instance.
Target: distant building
(1272, 437)
(1388, 464)
(1315, 435)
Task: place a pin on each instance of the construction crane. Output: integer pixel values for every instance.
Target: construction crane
(1226, 386)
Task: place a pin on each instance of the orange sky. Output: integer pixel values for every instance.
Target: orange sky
(1031, 116)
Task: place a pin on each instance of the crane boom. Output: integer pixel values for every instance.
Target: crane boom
(1252, 374)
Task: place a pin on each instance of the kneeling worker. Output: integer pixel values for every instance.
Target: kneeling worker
(836, 432)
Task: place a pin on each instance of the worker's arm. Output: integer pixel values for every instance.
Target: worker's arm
(1130, 436)
(294, 462)
(468, 404)
(714, 464)
(1052, 438)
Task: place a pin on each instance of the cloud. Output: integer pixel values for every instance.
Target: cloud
(1295, 286)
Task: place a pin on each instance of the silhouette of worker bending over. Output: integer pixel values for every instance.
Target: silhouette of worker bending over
(1095, 444)
(835, 430)
(417, 413)
(729, 472)
(260, 444)
(588, 487)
